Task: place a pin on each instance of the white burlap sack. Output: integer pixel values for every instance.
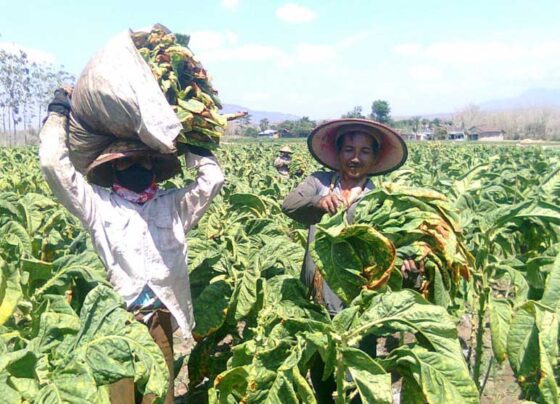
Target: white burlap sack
(116, 95)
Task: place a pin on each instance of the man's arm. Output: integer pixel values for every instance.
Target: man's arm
(279, 162)
(194, 200)
(302, 204)
(66, 183)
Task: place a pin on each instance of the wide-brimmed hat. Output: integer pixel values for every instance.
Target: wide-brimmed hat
(392, 149)
(101, 171)
(286, 149)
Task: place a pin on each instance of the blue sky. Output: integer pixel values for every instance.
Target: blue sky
(322, 58)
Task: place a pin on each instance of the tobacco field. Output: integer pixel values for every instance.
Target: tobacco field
(485, 220)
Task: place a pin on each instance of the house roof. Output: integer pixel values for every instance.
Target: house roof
(484, 128)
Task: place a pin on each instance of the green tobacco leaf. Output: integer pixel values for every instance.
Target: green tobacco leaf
(38, 270)
(231, 380)
(352, 258)
(500, 311)
(274, 377)
(35, 207)
(210, 308)
(8, 393)
(192, 105)
(53, 327)
(17, 360)
(14, 234)
(114, 346)
(386, 313)
(516, 279)
(247, 296)
(10, 290)
(373, 383)
(289, 299)
(249, 202)
(533, 348)
(28, 388)
(8, 208)
(84, 267)
(551, 295)
(437, 377)
(438, 290)
(72, 384)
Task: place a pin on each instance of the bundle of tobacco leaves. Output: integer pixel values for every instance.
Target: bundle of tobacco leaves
(415, 223)
(186, 86)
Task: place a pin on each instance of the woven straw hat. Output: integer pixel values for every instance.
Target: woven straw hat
(101, 171)
(286, 149)
(392, 149)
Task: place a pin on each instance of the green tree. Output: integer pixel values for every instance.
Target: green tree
(415, 122)
(264, 124)
(440, 133)
(251, 131)
(380, 111)
(245, 120)
(355, 113)
(300, 128)
(15, 79)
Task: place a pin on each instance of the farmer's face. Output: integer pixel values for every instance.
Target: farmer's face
(356, 156)
(127, 162)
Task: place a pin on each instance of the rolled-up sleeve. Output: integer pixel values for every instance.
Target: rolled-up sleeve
(194, 200)
(302, 203)
(68, 185)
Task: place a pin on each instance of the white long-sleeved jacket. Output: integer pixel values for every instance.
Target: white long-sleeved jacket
(140, 244)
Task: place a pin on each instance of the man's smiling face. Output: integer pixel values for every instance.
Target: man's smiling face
(356, 155)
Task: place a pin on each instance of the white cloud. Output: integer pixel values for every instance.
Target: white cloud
(34, 55)
(474, 52)
(407, 49)
(481, 53)
(230, 4)
(352, 40)
(248, 52)
(294, 13)
(308, 53)
(206, 40)
(424, 72)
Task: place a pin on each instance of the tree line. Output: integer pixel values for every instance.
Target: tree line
(26, 87)
(529, 123)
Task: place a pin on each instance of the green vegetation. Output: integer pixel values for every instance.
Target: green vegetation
(257, 329)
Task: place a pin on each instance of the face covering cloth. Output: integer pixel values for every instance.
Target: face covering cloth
(135, 184)
(136, 178)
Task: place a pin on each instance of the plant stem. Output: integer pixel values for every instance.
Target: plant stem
(340, 393)
(490, 363)
(481, 314)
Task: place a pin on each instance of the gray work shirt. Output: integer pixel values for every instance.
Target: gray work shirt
(282, 165)
(302, 205)
(140, 244)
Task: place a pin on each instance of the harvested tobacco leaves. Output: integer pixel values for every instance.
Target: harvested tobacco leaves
(186, 86)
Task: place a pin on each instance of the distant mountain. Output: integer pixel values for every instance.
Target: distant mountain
(256, 116)
(536, 97)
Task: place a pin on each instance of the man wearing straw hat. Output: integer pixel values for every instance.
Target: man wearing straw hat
(137, 229)
(354, 149)
(282, 162)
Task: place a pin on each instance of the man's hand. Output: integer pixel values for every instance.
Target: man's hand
(329, 203)
(412, 273)
(61, 101)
